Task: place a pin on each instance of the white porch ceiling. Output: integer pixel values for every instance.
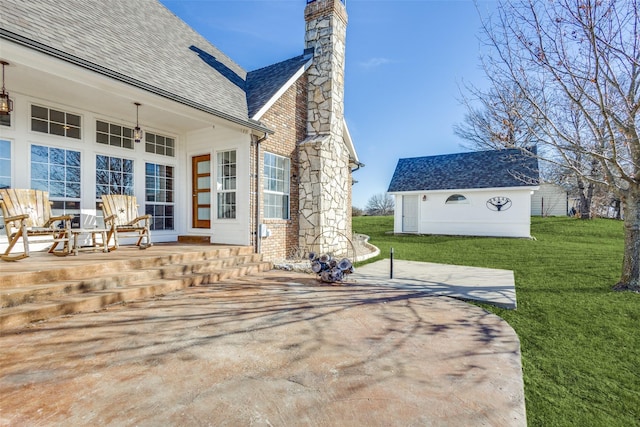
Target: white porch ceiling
(41, 76)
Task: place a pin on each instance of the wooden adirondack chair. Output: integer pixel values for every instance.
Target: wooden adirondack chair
(28, 213)
(121, 217)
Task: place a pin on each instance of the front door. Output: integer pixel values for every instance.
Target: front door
(410, 214)
(201, 184)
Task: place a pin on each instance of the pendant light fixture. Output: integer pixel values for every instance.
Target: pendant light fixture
(6, 104)
(137, 132)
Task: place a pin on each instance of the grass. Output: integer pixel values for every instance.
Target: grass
(580, 340)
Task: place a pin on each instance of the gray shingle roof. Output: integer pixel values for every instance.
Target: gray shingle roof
(264, 83)
(481, 169)
(139, 39)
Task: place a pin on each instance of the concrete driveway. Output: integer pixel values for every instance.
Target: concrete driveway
(279, 349)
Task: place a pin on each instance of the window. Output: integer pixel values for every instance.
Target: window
(226, 184)
(158, 144)
(5, 164)
(55, 122)
(276, 186)
(5, 119)
(159, 195)
(58, 171)
(456, 199)
(114, 175)
(5, 170)
(114, 135)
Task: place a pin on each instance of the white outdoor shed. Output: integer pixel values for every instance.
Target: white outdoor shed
(486, 193)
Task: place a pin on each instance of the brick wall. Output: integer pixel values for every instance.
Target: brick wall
(288, 118)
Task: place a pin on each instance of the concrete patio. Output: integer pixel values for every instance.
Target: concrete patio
(276, 348)
(487, 285)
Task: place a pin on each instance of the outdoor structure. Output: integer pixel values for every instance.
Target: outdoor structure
(122, 97)
(485, 193)
(550, 200)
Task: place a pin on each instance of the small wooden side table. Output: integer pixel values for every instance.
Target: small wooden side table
(95, 245)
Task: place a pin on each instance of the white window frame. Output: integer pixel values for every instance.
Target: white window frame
(226, 185)
(123, 139)
(277, 186)
(64, 124)
(164, 187)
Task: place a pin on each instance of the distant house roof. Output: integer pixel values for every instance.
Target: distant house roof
(265, 84)
(139, 42)
(481, 169)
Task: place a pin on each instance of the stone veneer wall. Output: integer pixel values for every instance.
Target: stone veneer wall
(288, 118)
(325, 172)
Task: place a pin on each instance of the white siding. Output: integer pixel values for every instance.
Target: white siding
(473, 218)
(113, 102)
(549, 200)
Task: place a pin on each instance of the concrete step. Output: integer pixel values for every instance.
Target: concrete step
(143, 259)
(25, 304)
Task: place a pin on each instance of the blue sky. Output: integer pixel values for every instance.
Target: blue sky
(405, 62)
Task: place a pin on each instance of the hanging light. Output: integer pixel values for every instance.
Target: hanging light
(6, 104)
(137, 132)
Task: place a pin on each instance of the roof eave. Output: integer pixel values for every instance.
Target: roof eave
(353, 155)
(532, 187)
(258, 115)
(56, 53)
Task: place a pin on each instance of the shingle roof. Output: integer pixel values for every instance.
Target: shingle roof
(139, 39)
(264, 83)
(481, 169)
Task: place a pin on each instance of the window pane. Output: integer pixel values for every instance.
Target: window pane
(73, 120)
(40, 171)
(73, 174)
(56, 116)
(39, 112)
(57, 156)
(115, 164)
(127, 165)
(73, 190)
(5, 149)
(73, 132)
(56, 129)
(102, 138)
(102, 126)
(73, 158)
(39, 126)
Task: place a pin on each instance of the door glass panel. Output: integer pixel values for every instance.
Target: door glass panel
(203, 182)
(204, 198)
(204, 213)
(204, 167)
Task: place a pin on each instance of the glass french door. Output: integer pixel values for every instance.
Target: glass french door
(201, 197)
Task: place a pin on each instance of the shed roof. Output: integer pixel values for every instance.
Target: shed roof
(481, 169)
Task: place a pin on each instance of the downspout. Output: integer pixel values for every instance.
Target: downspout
(258, 182)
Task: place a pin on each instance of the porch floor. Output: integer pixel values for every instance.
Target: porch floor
(273, 348)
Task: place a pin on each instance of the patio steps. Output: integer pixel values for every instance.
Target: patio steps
(31, 296)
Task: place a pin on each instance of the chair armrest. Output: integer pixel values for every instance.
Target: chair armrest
(109, 218)
(15, 218)
(58, 218)
(146, 217)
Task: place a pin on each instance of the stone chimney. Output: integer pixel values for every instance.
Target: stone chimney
(325, 174)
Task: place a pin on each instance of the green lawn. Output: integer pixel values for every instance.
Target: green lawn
(580, 340)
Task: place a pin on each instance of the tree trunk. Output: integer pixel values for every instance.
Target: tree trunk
(630, 279)
(584, 208)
